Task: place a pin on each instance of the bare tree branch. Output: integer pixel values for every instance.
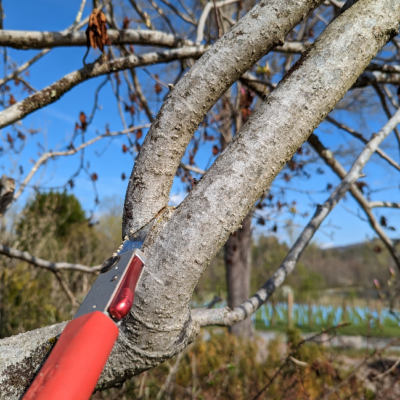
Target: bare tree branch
(369, 78)
(186, 18)
(143, 15)
(38, 262)
(66, 289)
(53, 154)
(192, 168)
(74, 27)
(27, 40)
(329, 159)
(204, 15)
(387, 204)
(359, 136)
(225, 62)
(53, 92)
(226, 316)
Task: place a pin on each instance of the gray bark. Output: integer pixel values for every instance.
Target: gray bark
(43, 40)
(183, 241)
(263, 28)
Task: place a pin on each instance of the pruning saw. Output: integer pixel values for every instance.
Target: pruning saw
(75, 363)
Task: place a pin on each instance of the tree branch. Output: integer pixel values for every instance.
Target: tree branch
(226, 316)
(53, 92)
(183, 241)
(223, 64)
(329, 159)
(387, 204)
(204, 15)
(38, 262)
(359, 136)
(52, 154)
(27, 40)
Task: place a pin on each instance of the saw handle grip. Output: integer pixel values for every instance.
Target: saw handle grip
(76, 361)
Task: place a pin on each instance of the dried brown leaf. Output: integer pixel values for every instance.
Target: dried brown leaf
(96, 33)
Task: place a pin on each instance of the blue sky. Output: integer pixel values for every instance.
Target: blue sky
(57, 122)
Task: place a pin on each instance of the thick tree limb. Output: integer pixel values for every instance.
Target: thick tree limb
(44, 40)
(53, 92)
(226, 316)
(239, 49)
(38, 262)
(182, 242)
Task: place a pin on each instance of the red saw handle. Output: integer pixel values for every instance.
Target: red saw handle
(77, 360)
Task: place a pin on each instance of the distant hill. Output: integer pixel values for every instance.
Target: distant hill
(355, 265)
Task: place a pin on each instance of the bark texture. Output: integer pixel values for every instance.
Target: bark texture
(238, 264)
(263, 28)
(183, 241)
(44, 40)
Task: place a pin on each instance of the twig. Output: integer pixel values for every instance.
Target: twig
(385, 106)
(143, 15)
(163, 15)
(172, 372)
(204, 15)
(297, 362)
(142, 97)
(376, 352)
(386, 204)
(191, 168)
(52, 154)
(66, 289)
(188, 19)
(217, 19)
(387, 372)
(359, 136)
(290, 357)
(327, 156)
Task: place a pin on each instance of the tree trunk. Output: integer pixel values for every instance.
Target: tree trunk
(237, 264)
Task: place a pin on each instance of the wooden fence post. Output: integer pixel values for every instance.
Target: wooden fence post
(289, 309)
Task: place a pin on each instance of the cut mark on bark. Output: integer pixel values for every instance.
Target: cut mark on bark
(183, 333)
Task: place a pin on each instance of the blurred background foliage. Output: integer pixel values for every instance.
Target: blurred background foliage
(53, 226)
